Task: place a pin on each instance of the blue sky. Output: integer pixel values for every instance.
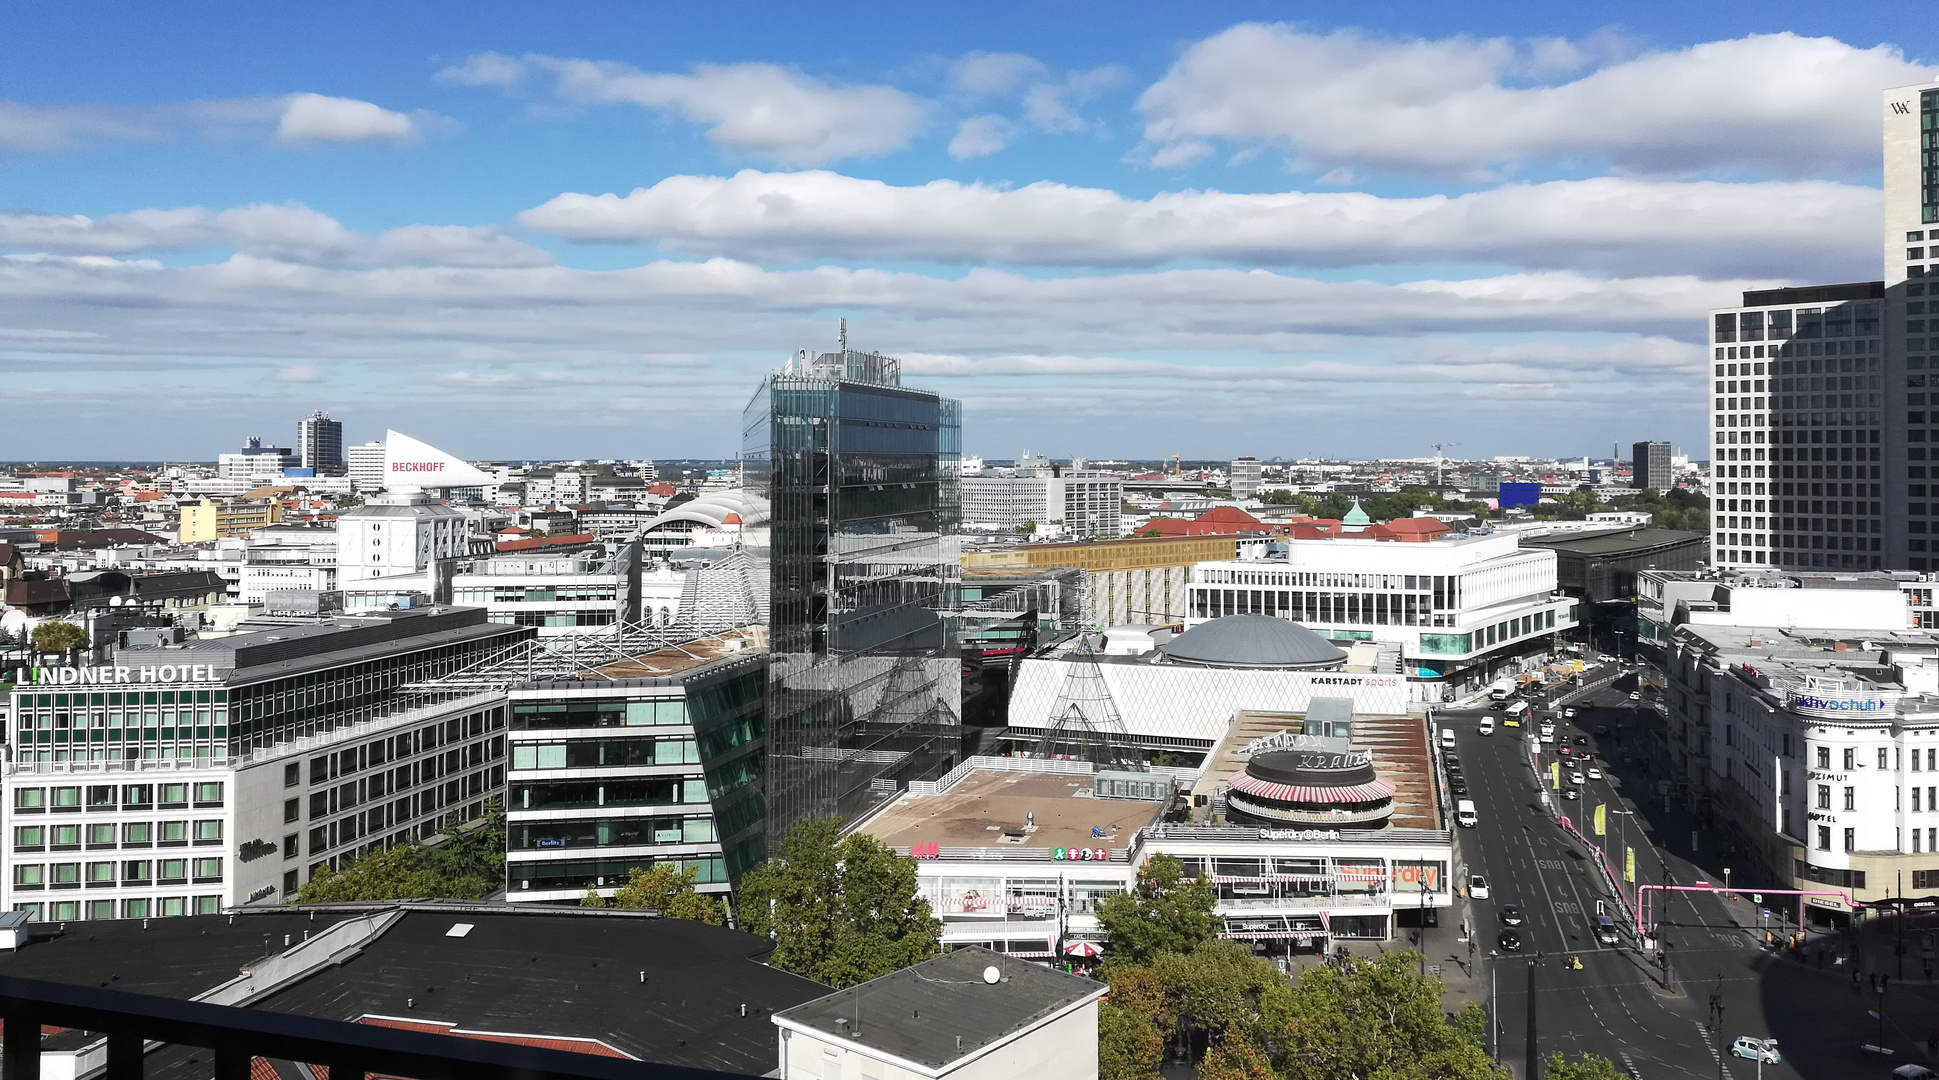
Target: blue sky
(1112, 229)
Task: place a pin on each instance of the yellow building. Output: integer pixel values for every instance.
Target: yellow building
(1131, 581)
(210, 520)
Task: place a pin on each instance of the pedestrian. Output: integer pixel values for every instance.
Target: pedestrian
(1854, 978)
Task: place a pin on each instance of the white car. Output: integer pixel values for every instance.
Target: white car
(1635, 695)
(1568, 714)
(1477, 887)
(1593, 772)
(1576, 779)
(1764, 1050)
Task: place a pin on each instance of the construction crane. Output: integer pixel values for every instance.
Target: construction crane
(1440, 459)
(1174, 465)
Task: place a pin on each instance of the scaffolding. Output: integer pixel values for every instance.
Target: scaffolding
(1084, 723)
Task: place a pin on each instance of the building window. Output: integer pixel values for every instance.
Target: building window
(1851, 839)
(1851, 798)
(1824, 838)
(1824, 757)
(1824, 796)
(1884, 758)
(1851, 759)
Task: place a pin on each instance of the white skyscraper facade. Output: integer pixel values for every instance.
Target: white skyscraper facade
(1818, 420)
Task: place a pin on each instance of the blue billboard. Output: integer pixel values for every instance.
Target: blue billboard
(1518, 495)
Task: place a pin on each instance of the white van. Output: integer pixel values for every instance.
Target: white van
(1447, 738)
(1548, 731)
(1487, 725)
(1464, 813)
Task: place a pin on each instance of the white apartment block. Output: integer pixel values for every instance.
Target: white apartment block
(397, 535)
(1458, 608)
(1079, 504)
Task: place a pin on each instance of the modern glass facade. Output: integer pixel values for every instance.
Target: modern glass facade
(864, 685)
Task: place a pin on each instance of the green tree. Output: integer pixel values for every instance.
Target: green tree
(1164, 913)
(841, 910)
(475, 851)
(1584, 1067)
(670, 892)
(387, 874)
(57, 636)
(1377, 1017)
(1235, 1056)
(592, 898)
(1129, 1046)
(1188, 999)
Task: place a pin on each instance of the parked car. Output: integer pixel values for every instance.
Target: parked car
(1511, 915)
(1510, 940)
(1477, 886)
(1459, 787)
(1764, 1050)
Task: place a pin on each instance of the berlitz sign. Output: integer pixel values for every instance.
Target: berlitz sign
(104, 676)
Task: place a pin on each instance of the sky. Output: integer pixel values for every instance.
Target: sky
(1112, 229)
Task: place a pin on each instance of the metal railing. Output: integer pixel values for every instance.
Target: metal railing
(237, 1036)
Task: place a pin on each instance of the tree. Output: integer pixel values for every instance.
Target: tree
(592, 898)
(1163, 913)
(667, 891)
(59, 637)
(1129, 1046)
(1584, 1067)
(841, 910)
(1188, 998)
(387, 874)
(1377, 1017)
(1236, 1057)
(474, 852)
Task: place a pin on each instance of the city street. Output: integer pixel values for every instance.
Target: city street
(1618, 1005)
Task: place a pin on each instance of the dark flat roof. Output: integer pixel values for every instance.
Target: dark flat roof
(1616, 541)
(918, 1013)
(558, 972)
(1814, 294)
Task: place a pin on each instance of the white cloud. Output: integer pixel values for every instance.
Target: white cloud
(288, 232)
(1610, 224)
(485, 69)
(980, 136)
(1052, 106)
(1769, 103)
(683, 342)
(316, 118)
(759, 110)
(298, 118)
(994, 74)
(298, 373)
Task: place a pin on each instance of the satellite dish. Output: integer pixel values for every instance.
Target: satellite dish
(992, 974)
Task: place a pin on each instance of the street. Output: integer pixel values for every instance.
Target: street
(1618, 1005)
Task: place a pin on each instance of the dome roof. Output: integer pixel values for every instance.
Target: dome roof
(1252, 641)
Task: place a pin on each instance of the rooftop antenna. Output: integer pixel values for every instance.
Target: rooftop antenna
(842, 335)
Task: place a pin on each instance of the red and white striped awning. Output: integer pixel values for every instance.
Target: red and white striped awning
(1273, 935)
(1371, 791)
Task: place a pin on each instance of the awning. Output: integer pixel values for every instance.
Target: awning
(1372, 791)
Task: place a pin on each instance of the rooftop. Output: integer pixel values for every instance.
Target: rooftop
(675, 659)
(980, 807)
(1398, 744)
(965, 1012)
(559, 973)
(1252, 641)
(1617, 541)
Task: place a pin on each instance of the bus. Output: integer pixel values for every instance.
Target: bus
(1516, 714)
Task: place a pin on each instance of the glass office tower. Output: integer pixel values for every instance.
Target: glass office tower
(864, 685)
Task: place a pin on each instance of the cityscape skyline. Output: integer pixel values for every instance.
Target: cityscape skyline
(545, 228)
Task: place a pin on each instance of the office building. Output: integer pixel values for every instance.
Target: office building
(1245, 474)
(1080, 504)
(653, 759)
(1820, 393)
(393, 538)
(195, 776)
(860, 474)
(1650, 466)
(557, 487)
(211, 520)
(1139, 580)
(366, 465)
(319, 443)
(256, 461)
(1455, 610)
(561, 593)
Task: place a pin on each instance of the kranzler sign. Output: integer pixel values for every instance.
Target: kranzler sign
(115, 676)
